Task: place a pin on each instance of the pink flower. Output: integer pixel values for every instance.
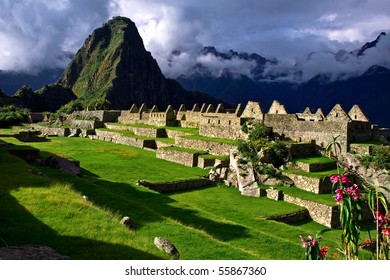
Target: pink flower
(386, 231)
(339, 195)
(303, 239)
(345, 180)
(354, 192)
(381, 218)
(367, 241)
(335, 178)
(335, 255)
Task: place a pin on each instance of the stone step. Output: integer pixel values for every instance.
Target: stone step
(311, 184)
(188, 157)
(213, 147)
(208, 161)
(311, 167)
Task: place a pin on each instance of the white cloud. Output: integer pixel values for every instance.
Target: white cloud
(34, 33)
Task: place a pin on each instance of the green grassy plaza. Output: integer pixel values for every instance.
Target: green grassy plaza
(214, 222)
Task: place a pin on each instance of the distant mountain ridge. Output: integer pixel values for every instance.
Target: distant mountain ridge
(371, 89)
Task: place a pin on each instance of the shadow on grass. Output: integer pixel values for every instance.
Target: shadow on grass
(142, 205)
(20, 227)
(145, 206)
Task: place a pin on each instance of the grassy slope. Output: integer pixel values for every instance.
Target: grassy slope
(210, 223)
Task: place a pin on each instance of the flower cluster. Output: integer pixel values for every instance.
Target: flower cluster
(383, 223)
(309, 242)
(345, 189)
(312, 248)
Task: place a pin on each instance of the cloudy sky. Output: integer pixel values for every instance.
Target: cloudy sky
(35, 34)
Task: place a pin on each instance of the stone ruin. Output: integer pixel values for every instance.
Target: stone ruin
(302, 127)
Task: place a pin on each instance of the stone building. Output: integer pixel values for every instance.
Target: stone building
(353, 126)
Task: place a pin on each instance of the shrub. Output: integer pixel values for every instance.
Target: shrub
(258, 131)
(12, 115)
(380, 158)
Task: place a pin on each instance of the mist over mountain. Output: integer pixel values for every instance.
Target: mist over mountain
(318, 79)
(360, 76)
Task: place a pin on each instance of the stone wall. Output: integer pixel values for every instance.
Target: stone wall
(359, 131)
(150, 132)
(321, 213)
(101, 115)
(124, 140)
(183, 157)
(189, 119)
(275, 194)
(214, 148)
(52, 131)
(177, 186)
(173, 133)
(207, 162)
(314, 167)
(118, 127)
(306, 131)
(361, 149)
(86, 124)
(302, 149)
(314, 185)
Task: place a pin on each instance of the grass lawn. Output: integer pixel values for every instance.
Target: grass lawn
(314, 159)
(130, 133)
(176, 128)
(211, 139)
(318, 174)
(181, 149)
(208, 223)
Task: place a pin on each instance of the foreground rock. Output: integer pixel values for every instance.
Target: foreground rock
(166, 246)
(30, 252)
(245, 176)
(62, 164)
(126, 221)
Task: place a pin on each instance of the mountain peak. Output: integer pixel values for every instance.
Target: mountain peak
(369, 45)
(113, 65)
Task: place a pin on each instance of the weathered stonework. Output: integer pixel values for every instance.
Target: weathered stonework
(86, 124)
(275, 194)
(301, 149)
(315, 185)
(215, 148)
(124, 140)
(179, 156)
(205, 162)
(361, 149)
(52, 131)
(323, 214)
(150, 132)
(312, 167)
(101, 115)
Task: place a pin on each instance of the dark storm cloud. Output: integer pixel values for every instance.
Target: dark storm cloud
(290, 31)
(34, 33)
